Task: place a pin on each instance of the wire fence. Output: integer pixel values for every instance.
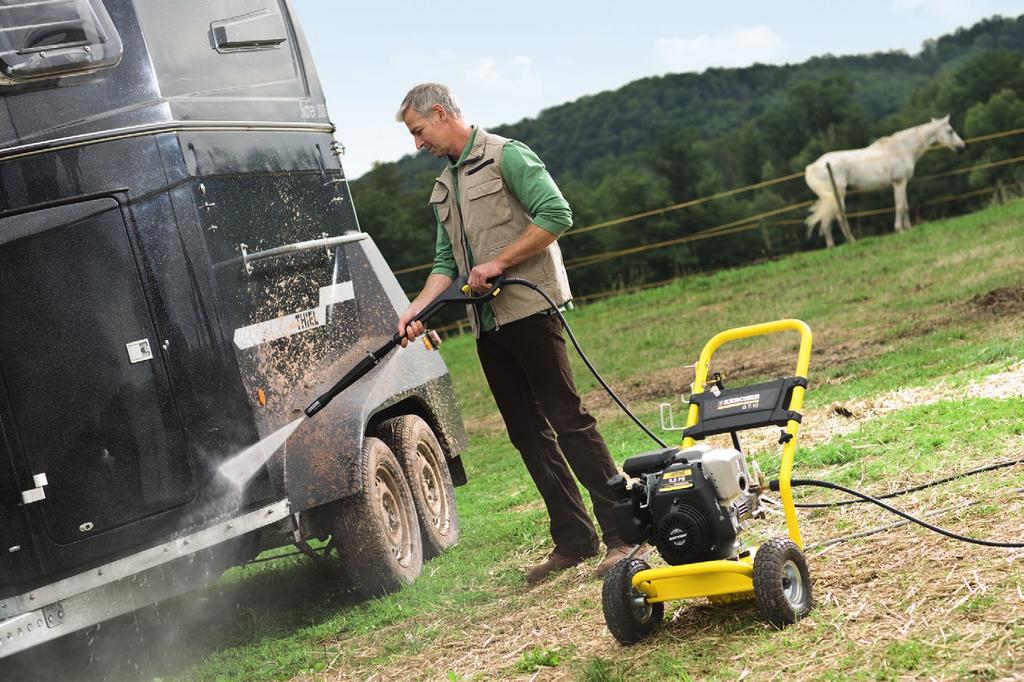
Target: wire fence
(462, 326)
(716, 231)
(597, 258)
(752, 222)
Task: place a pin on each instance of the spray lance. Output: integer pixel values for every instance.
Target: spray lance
(457, 292)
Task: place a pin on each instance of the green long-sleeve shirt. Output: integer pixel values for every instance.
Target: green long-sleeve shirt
(527, 178)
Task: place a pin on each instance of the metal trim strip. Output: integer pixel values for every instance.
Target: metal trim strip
(86, 139)
(141, 561)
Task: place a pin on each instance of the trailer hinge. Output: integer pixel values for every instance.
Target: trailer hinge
(54, 614)
(35, 494)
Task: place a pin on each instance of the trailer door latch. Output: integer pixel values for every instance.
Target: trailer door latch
(35, 494)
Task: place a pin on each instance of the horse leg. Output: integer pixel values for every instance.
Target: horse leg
(826, 231)
(899, 191)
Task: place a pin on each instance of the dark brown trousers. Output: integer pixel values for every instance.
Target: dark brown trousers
(528, 372)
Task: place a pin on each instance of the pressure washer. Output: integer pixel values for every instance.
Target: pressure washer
(693, 502)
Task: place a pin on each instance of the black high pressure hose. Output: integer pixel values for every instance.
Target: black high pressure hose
(905, 491)
(459, 292)
(583, 356)
(451, 296)
(798, 482)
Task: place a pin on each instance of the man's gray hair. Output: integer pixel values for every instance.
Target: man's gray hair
(424, 96)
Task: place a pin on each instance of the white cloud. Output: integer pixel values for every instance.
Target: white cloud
(485, 71)
(489, 72)
(737, 46)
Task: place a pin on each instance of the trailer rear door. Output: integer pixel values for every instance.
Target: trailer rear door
(88, 398)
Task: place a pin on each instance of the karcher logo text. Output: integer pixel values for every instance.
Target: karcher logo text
(742, 401)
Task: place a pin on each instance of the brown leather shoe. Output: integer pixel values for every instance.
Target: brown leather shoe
(614, 556)
(555, 562)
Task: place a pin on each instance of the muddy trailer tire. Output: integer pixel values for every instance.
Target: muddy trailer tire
(426, 469)
(376, 531)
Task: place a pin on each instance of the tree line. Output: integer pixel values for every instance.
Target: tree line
(663, 140)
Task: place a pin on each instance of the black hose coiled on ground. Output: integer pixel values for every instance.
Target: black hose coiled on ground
(916, 488)
(798, 482)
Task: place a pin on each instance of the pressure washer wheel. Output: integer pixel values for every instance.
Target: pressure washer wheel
(376, 531)
(782, 583)
(425, 466)
(627, 613)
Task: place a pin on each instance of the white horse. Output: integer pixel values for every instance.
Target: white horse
(886, 161)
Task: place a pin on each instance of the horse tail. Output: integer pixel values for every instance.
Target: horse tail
(826, 208)
(823, 211)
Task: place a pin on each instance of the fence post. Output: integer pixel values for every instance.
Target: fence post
(839, 200)
(767, 239)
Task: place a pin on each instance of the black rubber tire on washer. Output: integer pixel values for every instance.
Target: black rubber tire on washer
(627, 616)
(376, 531)
(782, 582)
(426, 469)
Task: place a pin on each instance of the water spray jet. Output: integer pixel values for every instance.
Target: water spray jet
(244, 465)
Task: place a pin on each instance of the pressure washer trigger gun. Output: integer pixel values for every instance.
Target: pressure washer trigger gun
(456, 292)
(459, 292)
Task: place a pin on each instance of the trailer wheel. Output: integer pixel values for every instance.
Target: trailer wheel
(627, 613)
(782, 582)
(417, 449)
(375, 531)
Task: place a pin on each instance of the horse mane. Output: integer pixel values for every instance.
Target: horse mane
(892, 136)
(881, 140)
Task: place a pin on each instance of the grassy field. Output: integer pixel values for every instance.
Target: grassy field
(915, 375)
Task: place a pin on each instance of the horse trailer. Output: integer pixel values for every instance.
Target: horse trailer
(183, 272)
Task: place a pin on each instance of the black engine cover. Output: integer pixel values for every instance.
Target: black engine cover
(688, 523)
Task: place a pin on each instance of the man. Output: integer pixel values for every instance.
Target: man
(498, 211)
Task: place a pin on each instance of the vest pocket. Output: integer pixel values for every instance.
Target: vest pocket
(439, 200)
(487, 204)
(443, 212)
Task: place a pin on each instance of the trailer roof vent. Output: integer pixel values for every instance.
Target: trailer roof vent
(51, 38)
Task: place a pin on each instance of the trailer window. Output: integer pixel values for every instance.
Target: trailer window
(51, 38)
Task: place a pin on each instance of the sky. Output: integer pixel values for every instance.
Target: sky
(509, 61)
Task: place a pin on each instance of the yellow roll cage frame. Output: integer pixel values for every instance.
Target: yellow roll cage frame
(726, 576)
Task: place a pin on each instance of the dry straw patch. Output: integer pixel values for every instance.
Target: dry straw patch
(956, 607)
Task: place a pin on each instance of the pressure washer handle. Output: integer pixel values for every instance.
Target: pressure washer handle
(361, 369)
(459, 292)
(456, 292)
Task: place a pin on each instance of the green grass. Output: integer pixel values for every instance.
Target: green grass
(917, 329)
(906, 656)
(923, 440)
(535, 658)
(887, 313)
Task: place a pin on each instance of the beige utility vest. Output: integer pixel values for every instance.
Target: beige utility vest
(487, 217)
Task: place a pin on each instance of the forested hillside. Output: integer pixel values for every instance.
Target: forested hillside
(663, 140)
